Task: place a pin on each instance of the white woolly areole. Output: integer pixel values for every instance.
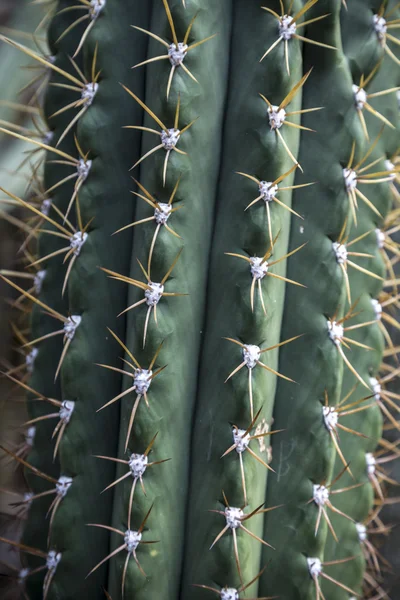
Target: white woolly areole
(96, 6)
(169, 138)
(154, 293)
(361, 531)
(71, 325)
(229, 594)
(240, 440)
(276, 116)
(287, 28)
(38, 280)
(77, 241)
(350, 179)
(377, 306)
(341, 252)
(398, 97)
(371, 463)
(360, 96)
(162, 213)
(336, 332)
(138, 465)
(62, 486)
(314, 567)
(267, 190)
(28, 498)
(233, 517)
(83, 167)
(389, 166)
(251, 354)
(177, 53)
(66, 410)
(48, 136)
(331, 417)
(380, 238)
(380, 27)
(88, 93)
(45, 206)
(23, 574)
(52, 560)
(132, 539)
(376, 387)
(30, 360)
(258, 267)
(30, 435)
(142, 380)
(320, 495)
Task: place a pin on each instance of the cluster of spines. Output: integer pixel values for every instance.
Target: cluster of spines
(364, 451)
(364, 399)
(55, 217)
(251, 354)
(45, 279)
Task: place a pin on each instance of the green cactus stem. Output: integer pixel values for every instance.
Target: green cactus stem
(211, 269)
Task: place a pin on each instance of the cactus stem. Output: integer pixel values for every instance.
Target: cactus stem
(353, 175)
(52, 558)
(142, 379)
(76, 238)
(81, 164)
(241, 441)
(234, 518)
(132, 539)
(378, 394)
(259, 268)
(176, 51)
(315, 569)
(374, 474)
(332, 414)
(277, 115)
(169, 137)
(268, 191)
(287, 29)
(251, 355)
(381, 24)
(227, 593)
(66, 408)
(138, 464)
(153, 292)
(340, 248)
(336, 332)
(361, 97)
(87, 95)
(321, 497)
(64, 414)
(93, 9)
(162, 213)
(70, 324)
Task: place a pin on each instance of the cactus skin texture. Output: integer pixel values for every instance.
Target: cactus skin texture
(235, 170)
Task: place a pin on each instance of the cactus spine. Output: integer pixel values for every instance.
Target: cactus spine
(214, 325)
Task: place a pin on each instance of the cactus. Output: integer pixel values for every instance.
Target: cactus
(210, 276)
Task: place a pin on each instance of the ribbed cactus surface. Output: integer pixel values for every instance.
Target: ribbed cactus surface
(211, 275)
